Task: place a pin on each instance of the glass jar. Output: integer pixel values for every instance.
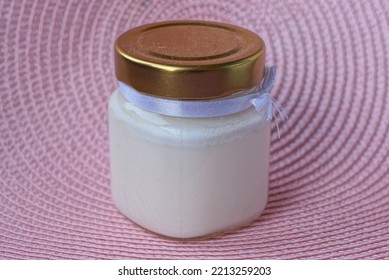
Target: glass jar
(183, 165)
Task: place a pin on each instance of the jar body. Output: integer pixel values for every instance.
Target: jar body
(188, 177)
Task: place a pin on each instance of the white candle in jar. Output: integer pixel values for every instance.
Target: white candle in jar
(188, 176)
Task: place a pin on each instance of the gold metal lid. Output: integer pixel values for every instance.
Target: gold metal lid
(189, 59)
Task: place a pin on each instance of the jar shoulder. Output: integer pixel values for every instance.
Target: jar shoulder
(156, 126)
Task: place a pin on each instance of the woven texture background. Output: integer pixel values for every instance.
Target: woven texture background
(329, 183)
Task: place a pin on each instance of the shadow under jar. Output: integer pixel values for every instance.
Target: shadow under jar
(184, 174)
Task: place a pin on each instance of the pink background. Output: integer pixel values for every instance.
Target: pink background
(329, 183)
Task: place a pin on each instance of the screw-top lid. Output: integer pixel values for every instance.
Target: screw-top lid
(189, 59)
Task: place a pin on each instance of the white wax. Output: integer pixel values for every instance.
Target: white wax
(188, 177)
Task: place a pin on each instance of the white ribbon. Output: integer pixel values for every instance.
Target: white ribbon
(259, 97)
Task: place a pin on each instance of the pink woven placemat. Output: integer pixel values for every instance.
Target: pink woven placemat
(329, 183)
